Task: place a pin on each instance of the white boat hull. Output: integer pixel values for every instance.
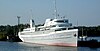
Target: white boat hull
(58, 38)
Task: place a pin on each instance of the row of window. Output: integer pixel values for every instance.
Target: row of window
(62, 21)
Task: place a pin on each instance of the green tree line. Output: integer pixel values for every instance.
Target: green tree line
(9, 30)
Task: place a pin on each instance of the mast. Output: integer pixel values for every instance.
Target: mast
(77, 23)
(18, 23)
(55, 10)
(32, 23)
(31, 14)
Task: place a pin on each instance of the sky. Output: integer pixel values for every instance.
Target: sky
(79, 12)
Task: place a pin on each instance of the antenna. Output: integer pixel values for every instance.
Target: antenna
(31, 14)
(77, 23)
(55, 9)
(18, 23)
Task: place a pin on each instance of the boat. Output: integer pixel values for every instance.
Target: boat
(54, 32)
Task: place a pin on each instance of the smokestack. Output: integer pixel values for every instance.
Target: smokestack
(32, 24)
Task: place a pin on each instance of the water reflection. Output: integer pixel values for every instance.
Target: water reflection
(49, 48)
(8, 46)
(87, 49)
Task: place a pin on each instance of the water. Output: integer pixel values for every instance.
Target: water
(87, 49)
(20, 46)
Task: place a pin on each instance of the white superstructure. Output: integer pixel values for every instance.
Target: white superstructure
(54, 32)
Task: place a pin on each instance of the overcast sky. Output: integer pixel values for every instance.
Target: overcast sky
(85, 12)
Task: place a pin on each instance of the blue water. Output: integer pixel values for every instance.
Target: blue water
(87, 49)
(20, 46)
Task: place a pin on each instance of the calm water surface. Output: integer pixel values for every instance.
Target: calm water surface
(20, 46)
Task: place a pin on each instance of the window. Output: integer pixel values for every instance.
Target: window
(62, 21)
(60, 29)
(53, 25)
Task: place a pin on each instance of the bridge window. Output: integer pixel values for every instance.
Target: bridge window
(62, 21)
(60, 29)
(53, 25)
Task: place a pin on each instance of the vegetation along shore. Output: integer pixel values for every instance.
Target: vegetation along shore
(10, 33)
